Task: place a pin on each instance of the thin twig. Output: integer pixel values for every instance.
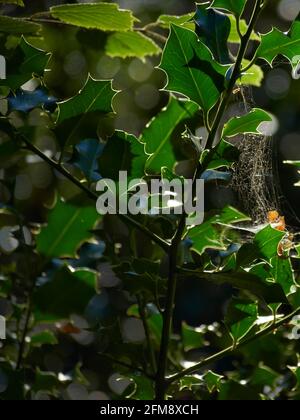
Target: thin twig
(22, 343)
(127, 366)
(210, 360)
(93, 196)
(155, 35)
(143, 316)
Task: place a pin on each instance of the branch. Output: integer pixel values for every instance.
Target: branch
(143, 316)
(230, 350)
(93, 196)
(234, 77)
(161, 383)
(127, 366)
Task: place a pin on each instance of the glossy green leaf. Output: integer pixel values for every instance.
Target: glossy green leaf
(265, 247)
(191, 338)
(235, 6)
(246, 124)
(189, 383)
(96, 95)
(131, 44)
(67, 293)
(102, 16)
(207, 236)
(191, 69)
(67, 229)
(122, 152)
(213, 29)
(241, 317)
(27, 62)
(212, 381)
(277, 43)
(17, 26)
(282, 272)
(158, 135)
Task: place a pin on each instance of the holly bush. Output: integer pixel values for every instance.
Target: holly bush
(92, 302)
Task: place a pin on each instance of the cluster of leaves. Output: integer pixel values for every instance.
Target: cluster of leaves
(108, 283)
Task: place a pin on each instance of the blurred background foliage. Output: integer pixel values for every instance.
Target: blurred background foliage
(72, 354)
(78, 52)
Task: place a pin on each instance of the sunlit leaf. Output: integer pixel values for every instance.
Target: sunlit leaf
(246, 124)
(191, 69)
(131, 44)
(103, 16)
(207, 236)
(212, 381)
(277, 43)
(96, 95)
(157, 136)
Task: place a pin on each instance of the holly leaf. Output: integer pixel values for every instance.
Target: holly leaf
(241, 317)
(67, 293)
(131, 44)
(207, 236)
(277, 43)
(234, 6)
(122, 152)
(265, 247)
(96, 95)
(212, 381)
(213, 29)
(85, 157)
(26, 63)
(246, 124)
(104, 16)
(158, 136)
(282, 272)
(67, 229)
(191, 68)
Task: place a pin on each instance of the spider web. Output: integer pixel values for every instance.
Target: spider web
(255, 175)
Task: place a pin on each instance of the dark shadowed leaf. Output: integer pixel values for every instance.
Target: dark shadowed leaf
(213, 29)
(67, 293)
(122, 152)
